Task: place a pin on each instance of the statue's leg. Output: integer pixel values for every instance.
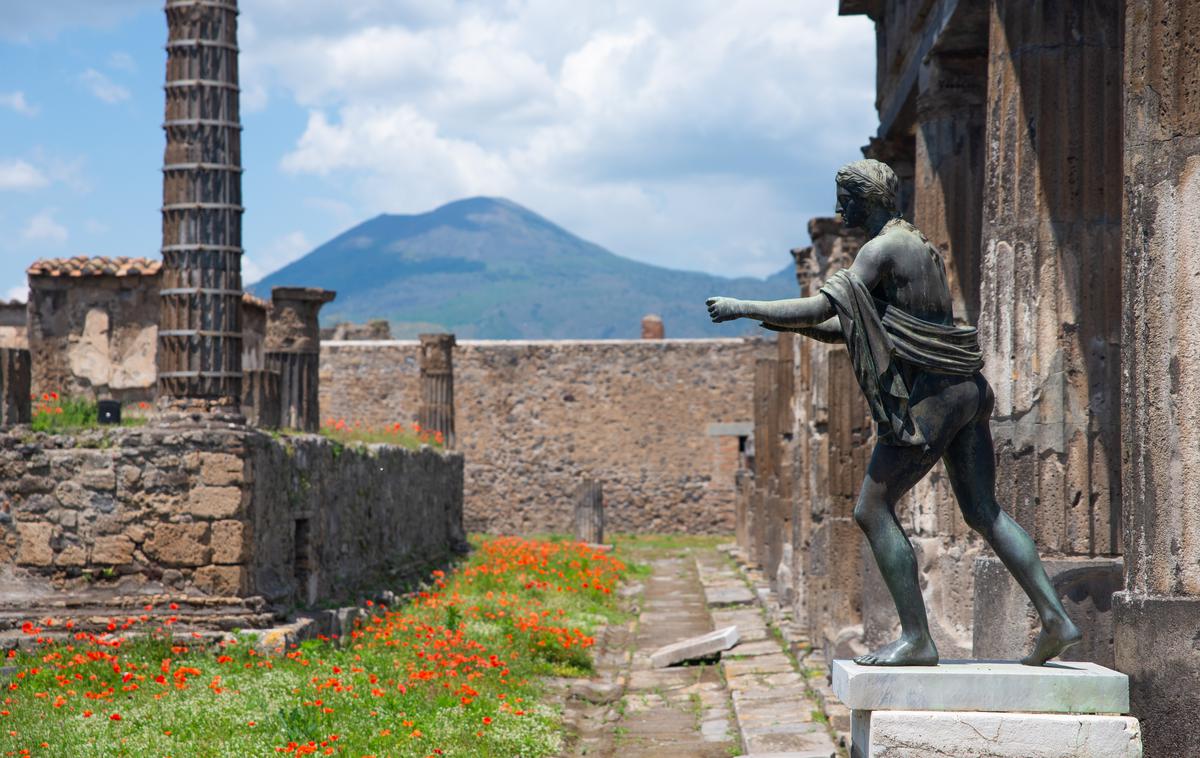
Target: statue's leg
(892, 472)
(971, 466)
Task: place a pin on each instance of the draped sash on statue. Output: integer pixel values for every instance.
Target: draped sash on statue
(876, 333)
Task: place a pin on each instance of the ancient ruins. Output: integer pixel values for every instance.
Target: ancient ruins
(232, 523)
(1066, 221)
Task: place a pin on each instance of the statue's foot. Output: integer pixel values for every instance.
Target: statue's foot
(917, 651)
(1056, 637)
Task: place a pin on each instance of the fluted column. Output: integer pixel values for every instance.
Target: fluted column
(436, 411)
(293, 348)
(200, 351)
(1158, 615)
(948, 176)
(1050, 309)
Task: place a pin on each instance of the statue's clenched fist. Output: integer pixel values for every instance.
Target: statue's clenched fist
(724, 309)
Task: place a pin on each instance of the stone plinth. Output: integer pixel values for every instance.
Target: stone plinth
(983, 686)
(917, 734)
(987, 708)
(1006, 624)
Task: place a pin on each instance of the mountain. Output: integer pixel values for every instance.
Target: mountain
(487, 268)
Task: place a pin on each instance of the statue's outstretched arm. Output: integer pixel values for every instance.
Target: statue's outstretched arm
(829, 330)
(795, 312)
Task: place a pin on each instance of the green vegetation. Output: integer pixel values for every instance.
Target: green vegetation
(54, 414)
(457, 671)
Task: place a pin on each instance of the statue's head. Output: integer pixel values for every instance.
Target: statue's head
(863, 187)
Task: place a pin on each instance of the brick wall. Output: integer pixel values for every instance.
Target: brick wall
(534, 417)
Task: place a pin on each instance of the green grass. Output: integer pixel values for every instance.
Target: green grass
(55, 415)
(459, 669)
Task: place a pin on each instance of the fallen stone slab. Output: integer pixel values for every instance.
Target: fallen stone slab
(734, 594)
(704, 646)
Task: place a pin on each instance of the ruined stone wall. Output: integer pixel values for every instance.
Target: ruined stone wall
(533, 418)
(136, 511)
(94, 336)
(14, 325)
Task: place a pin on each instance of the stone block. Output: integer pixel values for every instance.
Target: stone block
(1157, 641)
(230, 542)
(221, 469)
(221, 581)
(1006, 624)
(114, 550)
(1075, 687)
(696, 647)
(180, 544)
(215, 502)
(71, 556)
(33, 544)
(917, 734)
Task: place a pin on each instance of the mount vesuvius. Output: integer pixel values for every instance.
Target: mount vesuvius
(487, 268)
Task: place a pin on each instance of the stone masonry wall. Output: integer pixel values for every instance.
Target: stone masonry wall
(131, 511)
(533, 418)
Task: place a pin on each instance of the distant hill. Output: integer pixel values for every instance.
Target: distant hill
(486, 268)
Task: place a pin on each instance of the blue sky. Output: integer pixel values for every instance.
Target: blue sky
(693, 134)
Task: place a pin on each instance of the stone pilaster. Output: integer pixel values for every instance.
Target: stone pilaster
(1158, 614)
(293, 348)
(436, 411)
(1050, 299)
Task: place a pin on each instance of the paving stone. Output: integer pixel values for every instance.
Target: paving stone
(731, 595)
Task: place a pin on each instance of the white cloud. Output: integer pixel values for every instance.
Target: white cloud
(275, 255)
(19, 175)
(19, 292)
(701, 134)
(43, 228)
(102, 87)
(17, 102)
(122, 61)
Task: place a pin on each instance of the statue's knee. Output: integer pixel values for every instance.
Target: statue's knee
(866, 513)
(980, 521)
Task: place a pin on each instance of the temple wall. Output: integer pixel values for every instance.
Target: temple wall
(658, 422)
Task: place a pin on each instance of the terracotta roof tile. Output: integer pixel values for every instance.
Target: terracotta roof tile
(82, 265)
(257, 302)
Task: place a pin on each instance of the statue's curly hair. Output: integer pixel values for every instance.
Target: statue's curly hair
(871, 180)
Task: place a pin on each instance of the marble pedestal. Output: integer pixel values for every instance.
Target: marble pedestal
(997, 709)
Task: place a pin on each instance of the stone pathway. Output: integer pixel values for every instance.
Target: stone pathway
(752, 702)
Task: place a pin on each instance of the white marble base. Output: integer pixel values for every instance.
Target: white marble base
(1059, 687)
(919, 734)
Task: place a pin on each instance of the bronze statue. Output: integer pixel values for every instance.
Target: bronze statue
(921, 377)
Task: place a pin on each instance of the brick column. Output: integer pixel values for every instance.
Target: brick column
(436, 411)
(14, 387)
(293, 348)
(1158, 614)
(200, 334)
(1050, 307)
